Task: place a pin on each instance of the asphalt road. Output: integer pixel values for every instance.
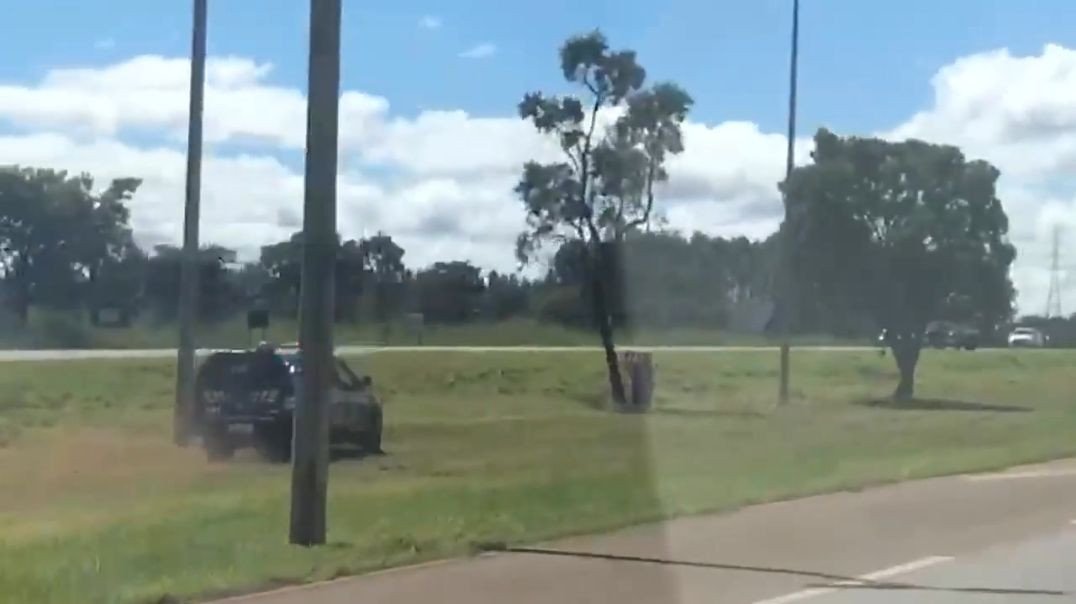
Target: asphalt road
(1003, 537)
(1034, 571)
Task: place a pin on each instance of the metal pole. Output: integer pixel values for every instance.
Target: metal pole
(188, 279)
(785, 236)
(310, 465)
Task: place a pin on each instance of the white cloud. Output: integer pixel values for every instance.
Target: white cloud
(1019, 113)
(441, 181)
(150, 93)
(481, 51)
(430, 22)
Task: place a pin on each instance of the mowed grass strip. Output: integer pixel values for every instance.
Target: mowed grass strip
(58, 330)
(96, 505)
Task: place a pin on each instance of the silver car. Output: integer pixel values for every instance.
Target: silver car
(1027, 337)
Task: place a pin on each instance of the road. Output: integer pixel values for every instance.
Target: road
(1034, 571)
(160, 353)
(1005, 537)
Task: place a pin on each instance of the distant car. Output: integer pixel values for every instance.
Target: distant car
(1027, 337)
(248, 397)
(950, 335)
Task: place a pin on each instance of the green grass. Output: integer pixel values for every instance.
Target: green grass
(97, 506)
(57, 330)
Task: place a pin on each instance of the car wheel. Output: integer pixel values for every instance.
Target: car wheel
(370, 441)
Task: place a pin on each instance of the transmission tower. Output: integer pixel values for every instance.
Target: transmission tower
(1053, 298)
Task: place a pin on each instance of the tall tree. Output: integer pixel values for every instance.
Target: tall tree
(507, 296)
(382, 260)
(283, 263)
(350, 280)
(450, 292)
(219, 292)
(902, 230)
(56, 234)
(605, 188)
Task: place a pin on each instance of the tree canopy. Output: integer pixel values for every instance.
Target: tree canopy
(906, 231)
(57, 234)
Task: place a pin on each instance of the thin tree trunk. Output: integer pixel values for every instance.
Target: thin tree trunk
(22, 305)
(21, 301)
(906, 348)
(605, 330)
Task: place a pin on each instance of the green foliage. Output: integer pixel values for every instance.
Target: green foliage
(451, 292)
(219, 292)
(65, 330)
(605, 188)
(905, 229)
(908, 231)
(57, 236)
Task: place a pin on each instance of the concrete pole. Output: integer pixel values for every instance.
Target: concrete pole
(786, 247)
(182, 427)
(310, 463)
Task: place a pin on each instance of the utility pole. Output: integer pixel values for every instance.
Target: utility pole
(785, 237)
(310, 462)
(188, 278)
(1053, 297)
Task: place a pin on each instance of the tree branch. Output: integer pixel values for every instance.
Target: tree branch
(584, 161)
(645, 218)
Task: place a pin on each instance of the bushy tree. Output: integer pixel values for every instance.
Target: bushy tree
(450, 292)
(907, 231)
(57, 234)
(382, 260)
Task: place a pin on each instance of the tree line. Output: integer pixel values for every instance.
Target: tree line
(878, 235)
(51, 261)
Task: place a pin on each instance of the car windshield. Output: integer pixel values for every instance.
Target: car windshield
(345, 376)
(607, 301)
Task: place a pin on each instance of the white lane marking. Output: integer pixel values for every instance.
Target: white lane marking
(866, 579)
(1021, 475)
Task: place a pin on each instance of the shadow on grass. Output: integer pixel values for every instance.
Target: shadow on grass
(833, 581)
(336, 454)
(937, 404)
(353, 453)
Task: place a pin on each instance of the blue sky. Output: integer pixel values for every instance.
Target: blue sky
(997, 77)
(866, 64)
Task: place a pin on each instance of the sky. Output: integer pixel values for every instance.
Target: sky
(430, 143)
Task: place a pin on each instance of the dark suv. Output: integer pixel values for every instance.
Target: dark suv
(248, 398)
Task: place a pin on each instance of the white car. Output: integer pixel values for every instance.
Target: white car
(1027, 337)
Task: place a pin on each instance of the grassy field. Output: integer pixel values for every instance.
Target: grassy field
(96, 506)
(53, 330)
